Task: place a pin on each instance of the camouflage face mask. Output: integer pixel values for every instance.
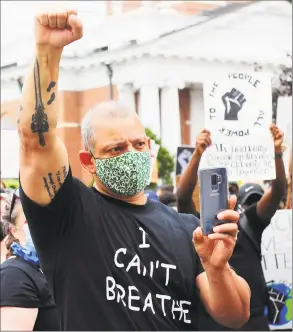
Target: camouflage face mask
(127, 174)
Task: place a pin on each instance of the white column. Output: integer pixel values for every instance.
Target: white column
(170, 119)
(149, 108)
(196, 113)
(126, 96)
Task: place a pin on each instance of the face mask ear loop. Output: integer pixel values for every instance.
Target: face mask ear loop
(92, 155)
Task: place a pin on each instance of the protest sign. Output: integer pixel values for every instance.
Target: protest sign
(184, 154)
(284, 122)
(238, 112)
(277, 266)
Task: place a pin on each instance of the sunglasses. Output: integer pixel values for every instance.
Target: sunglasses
(15, 196)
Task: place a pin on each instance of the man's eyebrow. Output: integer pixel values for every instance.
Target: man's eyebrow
(138, 138)
(114, 143)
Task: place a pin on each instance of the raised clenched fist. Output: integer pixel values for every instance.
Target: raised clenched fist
(203, 141)
(278, 137)
(233, 102)
(57, 28)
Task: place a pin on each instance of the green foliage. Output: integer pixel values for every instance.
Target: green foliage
(165, 160)
(11, 183)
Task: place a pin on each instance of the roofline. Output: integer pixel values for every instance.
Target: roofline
(214, 14)
(210, 14)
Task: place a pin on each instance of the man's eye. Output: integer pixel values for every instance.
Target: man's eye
(116, 149)
(141, 144)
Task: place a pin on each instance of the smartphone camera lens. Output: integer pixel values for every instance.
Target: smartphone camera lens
(214, 179)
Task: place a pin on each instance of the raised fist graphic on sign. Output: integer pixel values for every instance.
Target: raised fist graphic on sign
(233, 102)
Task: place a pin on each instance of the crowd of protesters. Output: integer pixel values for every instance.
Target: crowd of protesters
(114, 256)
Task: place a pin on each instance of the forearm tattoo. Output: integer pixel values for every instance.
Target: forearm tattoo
(40, 124)
(53, 182)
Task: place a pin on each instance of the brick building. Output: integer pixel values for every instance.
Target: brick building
(156, 54)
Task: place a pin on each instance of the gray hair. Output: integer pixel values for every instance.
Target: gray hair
(108, 109)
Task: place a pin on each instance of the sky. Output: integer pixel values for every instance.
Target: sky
(17, 24)
(17, 16)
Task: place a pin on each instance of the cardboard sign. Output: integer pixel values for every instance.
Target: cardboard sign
(284, 122)
(184, 154)
(277, 266)
(238, 112)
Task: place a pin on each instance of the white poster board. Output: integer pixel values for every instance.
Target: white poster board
(277, 266)
(284, 122)
(238, 112)
(9, 154)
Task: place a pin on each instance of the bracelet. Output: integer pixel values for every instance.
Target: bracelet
(278, 155)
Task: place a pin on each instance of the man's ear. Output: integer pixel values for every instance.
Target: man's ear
(149, 143)
(87, 161)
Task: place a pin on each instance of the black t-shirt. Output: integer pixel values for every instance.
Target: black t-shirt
(24, 285)
(113, 265)
(247, 262)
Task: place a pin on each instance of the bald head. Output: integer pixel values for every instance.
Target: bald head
(102, 113)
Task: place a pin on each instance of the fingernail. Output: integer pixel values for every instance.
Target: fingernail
(216, 229)
(220, 216)
(197, 236)
(211, 236)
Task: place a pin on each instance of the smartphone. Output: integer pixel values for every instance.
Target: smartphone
(213, 197)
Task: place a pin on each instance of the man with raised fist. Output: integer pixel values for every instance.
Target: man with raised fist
(114, 259)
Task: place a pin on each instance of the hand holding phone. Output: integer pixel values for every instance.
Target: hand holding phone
(213, 197)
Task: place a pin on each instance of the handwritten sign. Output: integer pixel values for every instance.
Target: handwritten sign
(284, 122)
(184, 154)
(129, 297)
(277, 266)
(238, 112)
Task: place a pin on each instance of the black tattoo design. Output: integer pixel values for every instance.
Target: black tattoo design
(58, 175)
(51, 86)
(52, 183)
(46, 185)
(52, 98)
(64, 172)
(40, 122)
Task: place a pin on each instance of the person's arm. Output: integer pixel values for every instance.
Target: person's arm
(188, 179)
(225, 295)
(269, 203)
(18, 299)
(43, 157)
(18, 319)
